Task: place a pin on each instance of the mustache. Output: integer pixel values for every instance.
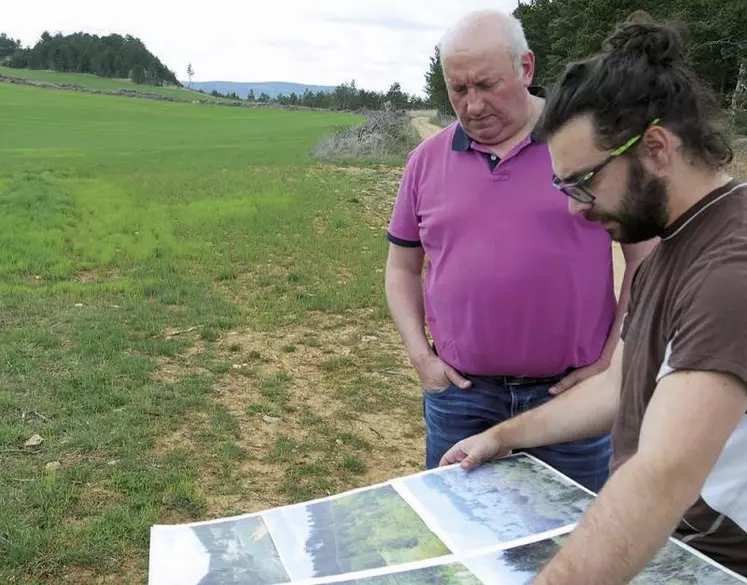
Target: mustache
(591, 215)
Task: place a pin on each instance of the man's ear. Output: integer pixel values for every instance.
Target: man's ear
(527, 68)
(659, 146)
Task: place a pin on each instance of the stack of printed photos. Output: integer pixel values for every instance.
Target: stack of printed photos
(498, 525)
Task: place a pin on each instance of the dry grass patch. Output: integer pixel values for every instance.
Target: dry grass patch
(303, 412)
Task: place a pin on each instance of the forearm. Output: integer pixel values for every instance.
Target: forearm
(404, 293)
(586, 410)
(630, 521)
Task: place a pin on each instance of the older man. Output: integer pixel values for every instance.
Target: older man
(519, 295)
(636, 148)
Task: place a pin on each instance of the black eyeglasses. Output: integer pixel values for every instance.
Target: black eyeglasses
(577, 189)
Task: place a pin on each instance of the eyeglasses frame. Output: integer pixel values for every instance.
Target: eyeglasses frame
(584, 196)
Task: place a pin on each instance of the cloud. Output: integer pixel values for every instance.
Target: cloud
(386, 22)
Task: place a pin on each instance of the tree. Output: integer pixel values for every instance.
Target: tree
(739, 97)
(8, 46)
(190, 74)
(396, 97)
(137, 75)
(536, 17)
(435, 85)
(110, 56)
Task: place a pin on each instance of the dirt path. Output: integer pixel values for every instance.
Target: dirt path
(425, 127)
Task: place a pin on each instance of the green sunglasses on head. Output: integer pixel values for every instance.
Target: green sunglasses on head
(576, 189)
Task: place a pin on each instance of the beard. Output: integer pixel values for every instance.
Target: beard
(642, 214)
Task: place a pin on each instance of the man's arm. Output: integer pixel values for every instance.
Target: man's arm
(587, 410)
(634, 255)
(404, 293)
(687, 423)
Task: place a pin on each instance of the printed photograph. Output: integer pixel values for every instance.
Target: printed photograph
(451, 574)
(673, 565)
(228, 552)
(241, 551)
(364, 530)
(512, 498)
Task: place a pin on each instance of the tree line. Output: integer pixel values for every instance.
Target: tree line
(346, 96)
(559, 31)
(110, 56)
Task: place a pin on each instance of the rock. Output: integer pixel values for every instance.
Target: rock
(54, 465)
(34, 441)
(113, 462)
(270, 419)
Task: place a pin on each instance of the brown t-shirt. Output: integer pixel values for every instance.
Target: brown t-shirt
(688, 310)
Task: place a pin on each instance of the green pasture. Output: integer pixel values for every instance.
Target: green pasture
(101, 83)
(123, 220)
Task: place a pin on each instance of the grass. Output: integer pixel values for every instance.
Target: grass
(102, 83)
(176, 282)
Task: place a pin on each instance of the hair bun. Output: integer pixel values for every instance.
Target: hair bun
(640, 37)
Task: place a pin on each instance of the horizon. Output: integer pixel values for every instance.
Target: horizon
(327, 44)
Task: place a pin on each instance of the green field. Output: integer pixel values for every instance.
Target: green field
(102, 83)
(192, 317)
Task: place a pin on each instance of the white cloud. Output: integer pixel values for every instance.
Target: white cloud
(375, 42)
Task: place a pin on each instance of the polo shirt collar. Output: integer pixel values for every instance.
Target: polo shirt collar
(462, 142)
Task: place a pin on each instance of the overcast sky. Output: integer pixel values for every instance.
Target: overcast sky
(375, 42)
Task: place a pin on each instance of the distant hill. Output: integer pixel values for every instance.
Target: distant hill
(271, 88)
(112, 56)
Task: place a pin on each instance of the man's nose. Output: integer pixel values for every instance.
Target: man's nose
(576, 207)
(475, 103)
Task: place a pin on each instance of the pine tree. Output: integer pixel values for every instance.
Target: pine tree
(435, 87)
(137, 75)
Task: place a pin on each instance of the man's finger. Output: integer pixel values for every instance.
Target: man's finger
(453, 455)
(568, 382)
(456, 378)
(471, 461)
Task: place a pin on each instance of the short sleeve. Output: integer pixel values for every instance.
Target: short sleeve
(404, 229)
(632, 302)
(711, 327)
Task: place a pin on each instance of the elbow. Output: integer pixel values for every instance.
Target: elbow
(677, 482)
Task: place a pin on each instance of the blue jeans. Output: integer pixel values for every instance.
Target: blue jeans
(455, 414)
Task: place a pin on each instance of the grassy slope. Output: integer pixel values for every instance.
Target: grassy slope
(102, 83)
(122, 219)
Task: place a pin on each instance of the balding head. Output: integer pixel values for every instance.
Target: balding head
(486, 31)
(488, 69)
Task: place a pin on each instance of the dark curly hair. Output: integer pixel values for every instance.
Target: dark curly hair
(640, 75)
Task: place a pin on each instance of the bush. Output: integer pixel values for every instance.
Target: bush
(384, 137)
(442, 120)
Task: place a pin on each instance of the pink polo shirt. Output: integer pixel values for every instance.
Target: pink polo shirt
(515, 284)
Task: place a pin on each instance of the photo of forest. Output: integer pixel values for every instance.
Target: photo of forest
(515, 566)
(673, 565)
(241, 551)
(451, 574)
(363, 530)
(512, 498)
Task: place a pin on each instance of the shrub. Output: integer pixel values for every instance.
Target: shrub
(385, 136)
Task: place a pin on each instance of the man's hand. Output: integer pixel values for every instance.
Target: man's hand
(577, 376)
(476, 450)
(436, 375)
